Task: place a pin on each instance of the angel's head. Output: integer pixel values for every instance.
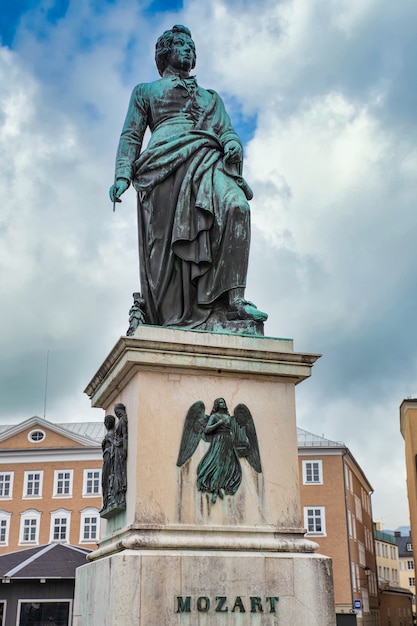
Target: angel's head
(219, 406)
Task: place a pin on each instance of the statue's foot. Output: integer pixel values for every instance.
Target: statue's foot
(242, 309)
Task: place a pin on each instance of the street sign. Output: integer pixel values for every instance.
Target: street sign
(357, 605)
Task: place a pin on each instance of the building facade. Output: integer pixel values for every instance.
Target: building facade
(396, 599)
(387, 559)
(395, 606)
(407, 576)
(50, 484)
(336, 502)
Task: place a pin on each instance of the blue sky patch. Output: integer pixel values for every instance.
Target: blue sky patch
(161, 6)
(13, 10)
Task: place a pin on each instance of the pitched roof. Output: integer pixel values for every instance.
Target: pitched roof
(86, 433)
(55, 560)
(404, 543)
(308, 440)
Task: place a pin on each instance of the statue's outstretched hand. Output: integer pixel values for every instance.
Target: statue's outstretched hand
(233, 151)
(119, 187)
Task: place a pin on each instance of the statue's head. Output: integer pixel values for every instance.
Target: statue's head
(219, 405)
(109, 422)
(120, 410)
(175, 43)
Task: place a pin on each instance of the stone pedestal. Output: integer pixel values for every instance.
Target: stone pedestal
(173, 551)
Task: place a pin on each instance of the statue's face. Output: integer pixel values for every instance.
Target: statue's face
(221, 404)
(182, 55)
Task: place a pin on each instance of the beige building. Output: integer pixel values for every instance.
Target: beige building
(406, 568)
(336, 503)
(387, 559)
(50, 484)
(396, 599)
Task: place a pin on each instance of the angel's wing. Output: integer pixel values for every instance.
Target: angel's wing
(245, 420)
(194, 425)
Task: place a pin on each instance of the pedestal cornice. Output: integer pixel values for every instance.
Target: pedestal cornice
(155, 347)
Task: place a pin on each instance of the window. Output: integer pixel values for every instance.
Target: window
(361, 551)
(312, 473)
(354, 526)
(409, 547)
(89, 532)
(44, 612)
(411, 582)
(373, 585)
(63, 483)
(92, 482)
(36, 436)
(2, 612)
(32, 487)
(60, 525)
(365, 600)
(352, 571)
(4, 528)
(29, 527)
(358, 572)
(410, 564)
(358, 508)
(349, 521)
(6, 485)
(366, 503)
(314, 520)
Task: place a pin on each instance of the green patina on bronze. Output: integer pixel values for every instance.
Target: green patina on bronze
(231, 437)
(193, 211)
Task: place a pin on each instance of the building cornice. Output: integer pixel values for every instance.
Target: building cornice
(48, 455)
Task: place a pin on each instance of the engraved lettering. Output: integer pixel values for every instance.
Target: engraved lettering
(223, 604)
(256, 604)
(238, 605)
(272, 600)
(221, 601)
(203, 604)
(183, 606)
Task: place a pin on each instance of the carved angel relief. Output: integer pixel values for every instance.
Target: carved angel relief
(230, 437)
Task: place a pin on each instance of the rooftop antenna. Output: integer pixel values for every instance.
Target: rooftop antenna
(46, 384)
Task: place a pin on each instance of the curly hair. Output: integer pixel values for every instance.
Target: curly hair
(164, 45)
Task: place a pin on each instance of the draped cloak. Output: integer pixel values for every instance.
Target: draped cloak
(220, 466)
(193, 214)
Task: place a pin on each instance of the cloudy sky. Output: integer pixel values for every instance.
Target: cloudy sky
(325, 98)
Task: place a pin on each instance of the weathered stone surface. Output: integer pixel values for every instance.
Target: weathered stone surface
(154, 588)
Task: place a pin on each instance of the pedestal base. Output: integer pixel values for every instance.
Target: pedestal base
(176, 556)
(164, 588)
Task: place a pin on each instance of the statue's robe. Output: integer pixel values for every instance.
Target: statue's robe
(193, 214)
